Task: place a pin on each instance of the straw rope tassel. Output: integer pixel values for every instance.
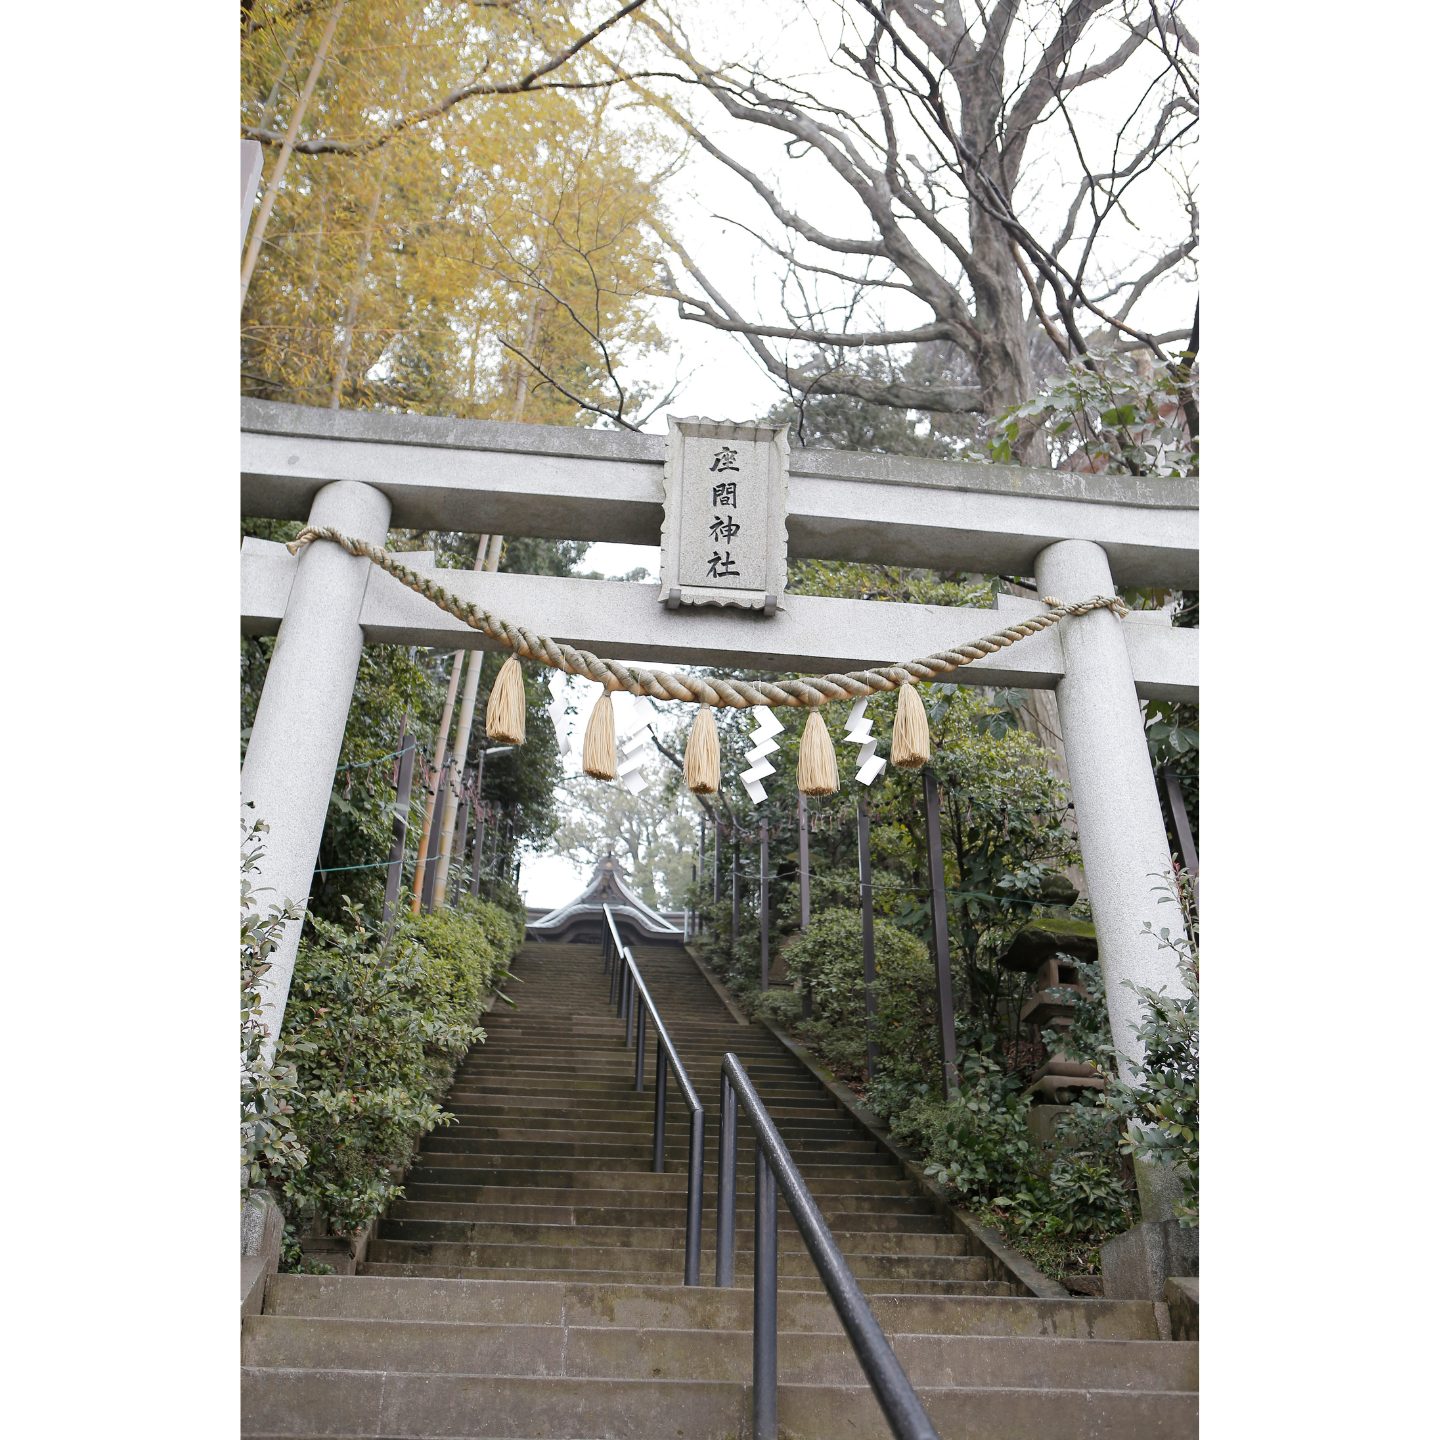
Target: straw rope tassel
(599, 758)
(816, 772)
(505, 710)
(910, 739)
(702, 754)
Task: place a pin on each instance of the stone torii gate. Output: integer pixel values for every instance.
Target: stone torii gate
(1078, 535)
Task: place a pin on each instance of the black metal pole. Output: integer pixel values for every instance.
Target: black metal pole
(764, 904)
(803, 816)
(399, 826)
(432, 857)
(479, 841)
(700, 872)
(658, 1158)
(462, 822)
(735, 899)
(639, 1043)
(725, 1197)
(949, 1077)
(867, 930)
(695, 1197)
(767, 1278)
(891, 1387)
(1180, 819)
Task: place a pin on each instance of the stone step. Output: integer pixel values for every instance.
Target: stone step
(635, 1169)
(617, 1210)
(632, 1199)
(659, 1307)
(853, 1146)
(671, 1276)
(486, 1123)
(596, 1095)
(405, 1404)
(876, 1187)
(619, 1352)
(567, 1049)
(611, 1067)
(538, 1254)
(484, 1075)
(608, 1232)
(507, 1153)
(630, 1105)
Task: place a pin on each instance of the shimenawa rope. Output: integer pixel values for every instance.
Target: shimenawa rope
(711, 690)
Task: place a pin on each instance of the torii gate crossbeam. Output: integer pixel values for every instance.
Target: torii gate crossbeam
(1078, 535)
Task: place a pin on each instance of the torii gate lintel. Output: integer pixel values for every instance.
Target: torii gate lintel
(1079, 536)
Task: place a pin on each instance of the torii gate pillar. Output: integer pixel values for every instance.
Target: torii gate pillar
(1117, 810)
(289, 767)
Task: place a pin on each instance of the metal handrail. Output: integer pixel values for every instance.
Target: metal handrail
(901, 1406)
(626, 985)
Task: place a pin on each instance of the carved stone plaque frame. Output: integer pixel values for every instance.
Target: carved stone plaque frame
(724, 541)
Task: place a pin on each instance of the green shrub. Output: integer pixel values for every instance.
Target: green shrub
(374, 1029)
(977, 1144)
(268, 1145)
(1165, 1105)
(469, 948)
(1077, 1196)
(828, 957)
(779, 1005)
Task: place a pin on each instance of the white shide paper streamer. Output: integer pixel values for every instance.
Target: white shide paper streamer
(631, 770)
(767, 726)
(857, 732)
(557, 713)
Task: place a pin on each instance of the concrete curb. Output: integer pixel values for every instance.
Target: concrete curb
(718, 986)
(262, 1233)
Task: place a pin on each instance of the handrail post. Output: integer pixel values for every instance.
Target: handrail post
(775, 1170)
(658, 1159)
(944, 993)
(725, 1197)
(767, 1279)
(635, 1003)
(867, 931)
(694, 1197)
(764, 904)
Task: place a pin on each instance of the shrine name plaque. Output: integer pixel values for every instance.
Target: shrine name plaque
(726, 497)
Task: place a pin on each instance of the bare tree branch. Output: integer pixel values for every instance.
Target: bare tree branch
(965, 87)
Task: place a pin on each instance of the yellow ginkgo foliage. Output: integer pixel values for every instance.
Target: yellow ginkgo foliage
(490, 261)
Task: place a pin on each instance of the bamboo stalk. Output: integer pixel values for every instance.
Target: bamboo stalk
(287, 147)
(443, 734)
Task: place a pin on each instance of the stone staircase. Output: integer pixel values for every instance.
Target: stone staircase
(529, 1285)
